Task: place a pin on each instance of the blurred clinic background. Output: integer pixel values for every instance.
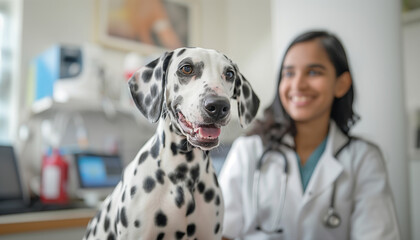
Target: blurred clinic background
(68, 126)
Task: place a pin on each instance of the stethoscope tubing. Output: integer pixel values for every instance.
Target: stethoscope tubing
(332, 218)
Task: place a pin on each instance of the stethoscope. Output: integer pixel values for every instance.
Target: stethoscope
(331, 219)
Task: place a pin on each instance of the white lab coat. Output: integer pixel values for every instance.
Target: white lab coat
(363, 197)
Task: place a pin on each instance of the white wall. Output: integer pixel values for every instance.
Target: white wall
(411, 40)
(371, 33)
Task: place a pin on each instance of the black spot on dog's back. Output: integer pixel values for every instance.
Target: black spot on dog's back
(209, 195)
(123, 217)
(179, 199)
(179, 235)
(190, 229)
(161, 219)
(149, 184)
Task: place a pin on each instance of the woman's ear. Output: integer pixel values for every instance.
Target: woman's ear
(343, 84)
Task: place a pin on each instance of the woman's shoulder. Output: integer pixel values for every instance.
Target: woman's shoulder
(366, 153)
(248, 144)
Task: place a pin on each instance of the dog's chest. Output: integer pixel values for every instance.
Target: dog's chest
(175, 194)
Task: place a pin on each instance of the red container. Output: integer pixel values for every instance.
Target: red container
(54, 178)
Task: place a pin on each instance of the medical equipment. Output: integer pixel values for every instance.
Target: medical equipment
(332, 218)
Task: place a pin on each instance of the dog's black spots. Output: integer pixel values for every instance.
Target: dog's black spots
(163, 139)
(207, 166)
(217, 228)
(190, 208)
(160, 176)
(217, 200)
(181, 52)
(189, 156)
(179, 235)
(171, 129)
(98, 216)
(134, 86)
(174, 148)
(238, 82)
(117, 220)
(242, 108)
(137, 223)
(179, 173)
(146, 75)
(160, 236)
(135, 172)
(155, 109)
(179, 199)
(201, 186)
(158, 73)
(88, 233)
(195, 172)
(215, 180)
(190, 229)
(154, 90)
(166, 60)
(176, 88)
(183, 145)
(149, 184)
(245, 90)
(217, 213)
(209, 195)
(123, 196)
(160, 219)
(147, 100)
(158, 163)
(106, 224)
(94, 230)
(143, 156)
(153, 63)
(109, 206)
(123, 217)
(133, 191)
(155, 149)
(111, 236)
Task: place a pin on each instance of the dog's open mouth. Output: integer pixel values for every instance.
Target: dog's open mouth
(201, 135)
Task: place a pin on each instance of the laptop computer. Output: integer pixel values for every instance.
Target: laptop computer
(13, 196)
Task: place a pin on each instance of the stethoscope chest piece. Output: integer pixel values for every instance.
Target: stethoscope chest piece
(332, 219)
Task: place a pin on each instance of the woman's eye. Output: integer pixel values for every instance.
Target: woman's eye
(288, 74)
(229, 75)
(314, 73)
(186, 69)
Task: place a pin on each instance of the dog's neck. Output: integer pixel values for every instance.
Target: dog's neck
(174, 142)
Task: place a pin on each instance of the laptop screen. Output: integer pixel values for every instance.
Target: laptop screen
(10, 188)
(98, 171)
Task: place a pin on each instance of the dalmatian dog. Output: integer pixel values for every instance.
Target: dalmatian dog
(170, 190)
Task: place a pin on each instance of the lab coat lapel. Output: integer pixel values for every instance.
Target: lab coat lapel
(328, 168)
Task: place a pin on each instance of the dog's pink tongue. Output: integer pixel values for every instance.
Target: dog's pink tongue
(209, 132)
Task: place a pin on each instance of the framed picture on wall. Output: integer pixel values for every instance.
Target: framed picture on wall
(148, 26)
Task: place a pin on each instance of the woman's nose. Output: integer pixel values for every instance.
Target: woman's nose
(299, 81)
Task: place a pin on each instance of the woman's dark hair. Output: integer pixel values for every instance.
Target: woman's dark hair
(277, 122)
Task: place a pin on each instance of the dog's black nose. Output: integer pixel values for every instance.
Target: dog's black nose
(217, 107)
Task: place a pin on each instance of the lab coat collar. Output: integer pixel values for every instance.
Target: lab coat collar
(328, 168)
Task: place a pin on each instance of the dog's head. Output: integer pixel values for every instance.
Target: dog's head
(195, 86)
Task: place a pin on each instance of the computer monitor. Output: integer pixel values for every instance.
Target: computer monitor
(97, 175)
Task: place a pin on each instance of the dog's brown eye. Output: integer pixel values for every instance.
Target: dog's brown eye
(229, 75)
(186, 69)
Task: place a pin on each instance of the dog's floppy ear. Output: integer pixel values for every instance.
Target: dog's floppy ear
(147, 87)
(248, 102)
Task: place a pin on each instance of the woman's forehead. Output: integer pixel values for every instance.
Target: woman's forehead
(306, 54)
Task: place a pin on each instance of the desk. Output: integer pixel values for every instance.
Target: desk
(45, 221)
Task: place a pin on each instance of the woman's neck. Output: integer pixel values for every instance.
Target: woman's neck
(309, 136)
